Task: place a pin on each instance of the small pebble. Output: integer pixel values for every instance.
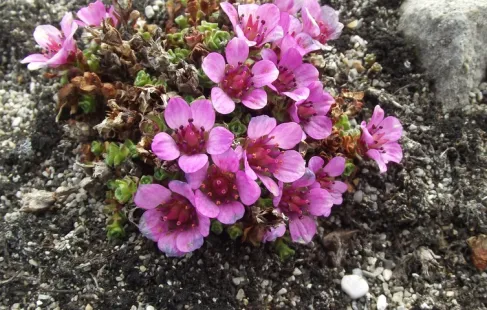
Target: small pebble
(355, 286)
(381, 302)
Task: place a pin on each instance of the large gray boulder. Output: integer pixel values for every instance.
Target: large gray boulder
(451, 36)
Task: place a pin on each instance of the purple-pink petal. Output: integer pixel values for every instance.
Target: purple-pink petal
(375, 155)
(192, 163)
(164, 146)
(222, 103)
(149, 196)
(231, 212)
(214, 67)
(376, 118)
(189, 240)
(291, 59)
(319, 127)
(310, 25)
(203, 114)
(195, 179)
(277, 198)
(392, 152)
(203, 224)
(231, 12)
(182, 189)
(167, 244)
(291, 168)
(248, 169)
(236, 52)
(227, 161)
(320, 202)
(260, 126)
(316, 163)
(286, 135)
(268, 54)
(306, 74)
(302, 229)
(219, 140)
(177, 113)
(335, 166)
(307, 179)
(205, 205)
(248, 189)
(274, 233)
(298, 94)
(255, 99)
(265, 72)
(151, 224)
(269, 183)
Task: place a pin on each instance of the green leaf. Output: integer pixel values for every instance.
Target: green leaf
(97, 147)
(216, 227)
(87, 104)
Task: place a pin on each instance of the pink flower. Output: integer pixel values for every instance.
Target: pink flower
(262, 154)
(311, 112)
(301, 201)
(193, 136)
(321, 23)
(95, 13)
(222, 188)
(59, 46)
(380, 136)
(236, 80)
(294, 75)
(291, 7)
(325, 176)
(255, 24)
(294, 37)
(171, 219)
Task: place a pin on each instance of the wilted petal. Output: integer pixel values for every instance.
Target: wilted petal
(203, 114)
(231, 212)
(214, 67)
(236, 52)
(177, 113)
(248, 189)
(189, 240)
(205, 205)
(167, 244)
(255, 99)
(292, 167)
(149, 196)
(219, 140)
(260, 126)
(316, 163)
(164, 146)
(265, 72)
(192, 163)
(286, 135)
(302, 229)
(222, 103)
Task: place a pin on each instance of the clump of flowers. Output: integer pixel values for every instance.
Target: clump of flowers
(214, 121)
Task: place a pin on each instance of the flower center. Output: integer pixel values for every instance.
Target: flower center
(378, 135)
(179, 213)
(306, 111)
(262, 156)
(286, 80)
(190, 140)
(293, 201)
(324, 179)
(255, 29)
(220, 185)
(237, 81)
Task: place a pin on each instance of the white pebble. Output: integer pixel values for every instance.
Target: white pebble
(282, 291)
(149, 11)
(297, 272)
(387, 274)
(16, 122)
(381, 302)
(355, 286)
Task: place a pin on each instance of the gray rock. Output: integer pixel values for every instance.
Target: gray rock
(451, 36)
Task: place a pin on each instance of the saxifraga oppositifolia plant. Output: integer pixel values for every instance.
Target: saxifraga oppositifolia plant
(214, 121)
